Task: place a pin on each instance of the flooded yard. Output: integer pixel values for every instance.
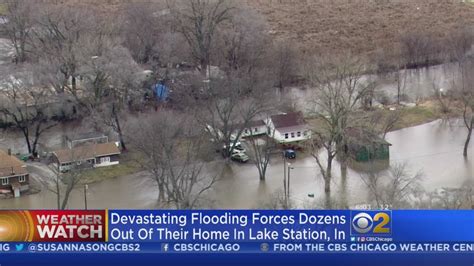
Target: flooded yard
(434, 148)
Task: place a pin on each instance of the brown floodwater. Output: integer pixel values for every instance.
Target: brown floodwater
(434, 148)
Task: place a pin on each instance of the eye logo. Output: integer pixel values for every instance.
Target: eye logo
(372, 222)
(362, 223)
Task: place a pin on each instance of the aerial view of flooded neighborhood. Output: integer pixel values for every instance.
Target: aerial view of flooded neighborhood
(220, 104)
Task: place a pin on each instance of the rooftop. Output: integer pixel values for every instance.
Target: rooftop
(86, 152)
(288, 120)
(10, 165)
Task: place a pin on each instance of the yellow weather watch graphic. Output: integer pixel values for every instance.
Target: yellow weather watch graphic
(16, 226)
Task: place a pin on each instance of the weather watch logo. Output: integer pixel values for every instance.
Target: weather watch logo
(49, 225)
(371, 223)
(16, 226)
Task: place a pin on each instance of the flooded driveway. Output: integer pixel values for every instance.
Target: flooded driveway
(434, 148)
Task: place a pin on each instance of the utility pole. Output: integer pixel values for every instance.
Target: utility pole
(86, 187)
(284, 180)
(58, 191)
(288, 186)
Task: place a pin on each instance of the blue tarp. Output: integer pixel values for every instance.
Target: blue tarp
(161, 91)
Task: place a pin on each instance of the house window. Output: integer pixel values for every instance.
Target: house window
(5, 181)
(255, 130)
(22, 179)
(286, 135)
(298, 133)
(292, 134)
(246, 131)
(105, 160)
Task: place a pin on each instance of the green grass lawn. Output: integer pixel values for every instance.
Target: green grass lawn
(3, 9)
(417, 115)
(127, 166)
(411, 116)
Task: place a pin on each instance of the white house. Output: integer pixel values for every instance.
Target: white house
(255, 128)
(288, 128)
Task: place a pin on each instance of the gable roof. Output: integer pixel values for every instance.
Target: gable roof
(288, 120)
(86, 152)
(10, 165)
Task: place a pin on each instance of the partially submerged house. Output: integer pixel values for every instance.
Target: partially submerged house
(363, 145)
(288, 128)
(87, 156)
(14, 177)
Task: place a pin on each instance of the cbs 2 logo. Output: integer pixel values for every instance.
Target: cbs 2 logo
(372, 223)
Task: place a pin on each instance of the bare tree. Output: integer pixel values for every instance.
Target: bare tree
(63, 185)
(112, 85)
(452, 198)
(262, 150)
(383, 121)
(465, 93)
(393, 188)
(400, 76)
(441, 97)
(419, 49)
(26, 107)
(285, 62)
(57, 42)
(198, 21)
(171, 147)
(20, 21)
(141, 30)
(242, 43)
(339, 92)
(463, 87)
(229, 106)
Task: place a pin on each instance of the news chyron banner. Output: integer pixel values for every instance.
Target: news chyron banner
(238, 231)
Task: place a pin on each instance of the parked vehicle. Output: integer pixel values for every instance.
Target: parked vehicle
(237, 146)
(239, 157)
(289, 154)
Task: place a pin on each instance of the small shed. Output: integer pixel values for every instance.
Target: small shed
(87, 138)
(364, 145)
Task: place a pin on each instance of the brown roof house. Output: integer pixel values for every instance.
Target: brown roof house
(13, 174)
(91, 155)
(288, 128)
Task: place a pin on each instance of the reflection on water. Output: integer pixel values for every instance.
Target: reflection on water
(419, 84)
(434, 148)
